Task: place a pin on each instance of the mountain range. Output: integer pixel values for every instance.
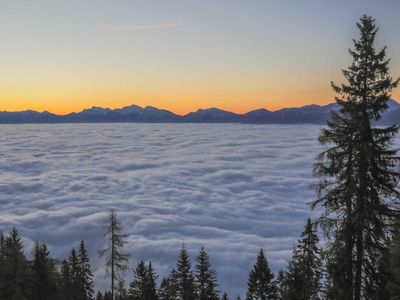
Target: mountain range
(309, 114)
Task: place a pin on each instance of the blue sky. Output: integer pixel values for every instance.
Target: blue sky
(66, 55)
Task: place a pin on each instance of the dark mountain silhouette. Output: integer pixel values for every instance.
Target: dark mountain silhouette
(133, 113)
(309, 114)
(212, 115)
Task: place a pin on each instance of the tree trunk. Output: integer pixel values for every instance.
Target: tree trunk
(363, 187)
(349, 231)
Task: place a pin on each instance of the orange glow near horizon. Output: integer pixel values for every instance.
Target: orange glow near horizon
(63, 89)
(236, 94)
(181, 104)
(178, 105)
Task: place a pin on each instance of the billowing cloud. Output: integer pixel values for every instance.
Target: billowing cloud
(143, 26)
(230, 188)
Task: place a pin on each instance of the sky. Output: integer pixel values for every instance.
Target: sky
(181, 55)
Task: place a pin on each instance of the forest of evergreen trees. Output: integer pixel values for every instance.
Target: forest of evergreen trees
(357, 193)
(42, 277)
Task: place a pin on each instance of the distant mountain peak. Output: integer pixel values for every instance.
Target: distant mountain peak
(130, 109)
(260, 111)
(133, 106)
(149, 107)
(211, 115)
(313, 113)
(95, 110)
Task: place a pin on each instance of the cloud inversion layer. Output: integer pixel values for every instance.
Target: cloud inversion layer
(230, 188)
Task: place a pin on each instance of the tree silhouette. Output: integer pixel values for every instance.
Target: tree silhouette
(359, 172)
(261, 285)
(116, 261)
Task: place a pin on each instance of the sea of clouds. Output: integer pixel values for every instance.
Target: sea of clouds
(228, 187)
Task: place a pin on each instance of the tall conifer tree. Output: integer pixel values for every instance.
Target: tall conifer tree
(302, 280)
(206, 278)
(116, 261)
(169, 287)
(86, 276)
(143, 286)
(359, 175)
(13, 267)
(42, 275)
(151, 283)
(185, 277)
(261, 285)
(75, 273)
(64, 282)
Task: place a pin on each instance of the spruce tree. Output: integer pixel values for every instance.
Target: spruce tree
(185, 277)
(151, 279)
(137, 288)
(206, 278)
(75, 273)
(86, 276)
(116, 261)
(305, 268)
(169, 288)
(42, 275)
(358, 187)
(225, 296)
(121, 292)
(64, 282)
(282, 286)
(143, 286)
(163, 293)
(13, 266)
(261, 285)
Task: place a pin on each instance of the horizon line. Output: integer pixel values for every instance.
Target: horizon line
(171, 111)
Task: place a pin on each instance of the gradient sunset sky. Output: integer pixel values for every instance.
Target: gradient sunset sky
(181, 55)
